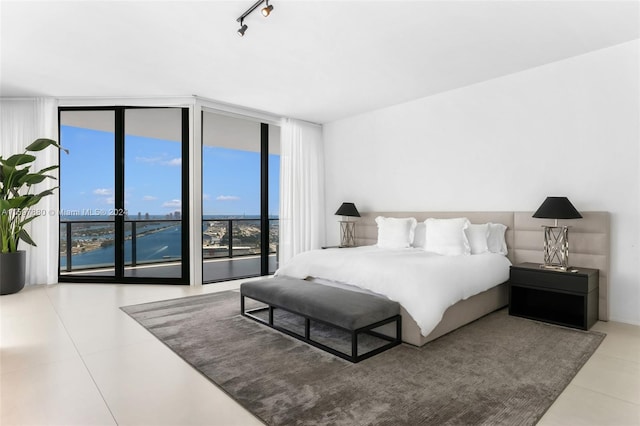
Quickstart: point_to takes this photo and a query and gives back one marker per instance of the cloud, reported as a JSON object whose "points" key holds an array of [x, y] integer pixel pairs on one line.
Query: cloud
{"points": [[162, 161], [149, 198], [173, 204], [107, 201], [173, 163], [104, 196], [102, 191], [148, 159], [227, 198], [206, 197]]}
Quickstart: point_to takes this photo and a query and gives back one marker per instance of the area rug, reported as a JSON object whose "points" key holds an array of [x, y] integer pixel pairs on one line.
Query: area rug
{"points": [[497, 370]]}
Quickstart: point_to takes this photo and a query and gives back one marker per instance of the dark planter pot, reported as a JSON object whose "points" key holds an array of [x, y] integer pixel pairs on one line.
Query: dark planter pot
{"points": [[12, 272]]}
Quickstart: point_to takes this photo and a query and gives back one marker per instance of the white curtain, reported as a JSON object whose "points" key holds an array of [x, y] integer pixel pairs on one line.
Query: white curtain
{"points": [[21, 122], [301, 188]]}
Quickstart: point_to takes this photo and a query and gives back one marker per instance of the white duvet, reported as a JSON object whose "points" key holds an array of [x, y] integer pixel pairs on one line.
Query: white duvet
{"points": [[424, 283]]}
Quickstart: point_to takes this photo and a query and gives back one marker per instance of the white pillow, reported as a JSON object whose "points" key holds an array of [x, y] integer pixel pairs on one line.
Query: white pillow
{"points": [[420, 236], [447, 237], [395, 233], [477, 236], [496, 241]]}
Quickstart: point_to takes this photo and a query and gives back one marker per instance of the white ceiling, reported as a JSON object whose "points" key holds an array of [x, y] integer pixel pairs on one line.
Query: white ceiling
{"points": [[315, 60]]}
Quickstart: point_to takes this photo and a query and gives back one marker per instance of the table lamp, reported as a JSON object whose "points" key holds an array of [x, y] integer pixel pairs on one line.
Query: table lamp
{"points": [[347, 227], [556, 238]]}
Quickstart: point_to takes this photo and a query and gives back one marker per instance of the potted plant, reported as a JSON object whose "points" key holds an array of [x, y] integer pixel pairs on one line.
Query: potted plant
{"points": [[16, 210]]}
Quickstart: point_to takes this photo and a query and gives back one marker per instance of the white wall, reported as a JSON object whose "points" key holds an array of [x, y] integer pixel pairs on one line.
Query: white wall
{"points": [[568, 128]]}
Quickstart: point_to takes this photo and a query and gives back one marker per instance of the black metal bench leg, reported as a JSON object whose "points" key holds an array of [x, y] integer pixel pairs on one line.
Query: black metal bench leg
{"points": [[241, 304], [270, 315], [307, 328], [354, 346]]}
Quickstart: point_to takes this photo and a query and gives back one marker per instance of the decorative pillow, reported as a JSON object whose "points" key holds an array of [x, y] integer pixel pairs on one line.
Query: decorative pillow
{"points": [[447, 237], [420, 236], [395, 233], [496, 241], [477, 236]]}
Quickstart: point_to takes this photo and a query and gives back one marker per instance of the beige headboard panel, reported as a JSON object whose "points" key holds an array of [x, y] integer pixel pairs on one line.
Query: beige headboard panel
{"points": [[588, 238]]}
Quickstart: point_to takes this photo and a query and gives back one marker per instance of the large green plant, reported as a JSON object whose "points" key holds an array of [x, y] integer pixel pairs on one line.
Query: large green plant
{"points": [[16, 197]]}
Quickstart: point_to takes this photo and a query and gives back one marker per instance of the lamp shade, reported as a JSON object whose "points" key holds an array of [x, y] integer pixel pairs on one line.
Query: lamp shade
{"points": [[557, 208], [348, 209]]}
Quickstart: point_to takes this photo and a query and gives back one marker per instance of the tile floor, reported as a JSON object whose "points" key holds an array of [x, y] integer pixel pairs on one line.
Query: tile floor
{"points": [[69, 356]]}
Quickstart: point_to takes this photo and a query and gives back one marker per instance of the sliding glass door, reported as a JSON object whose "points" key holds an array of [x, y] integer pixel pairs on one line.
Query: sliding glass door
{"points": [[123, 197], [153, 195], [87, 202], [240, 181]]}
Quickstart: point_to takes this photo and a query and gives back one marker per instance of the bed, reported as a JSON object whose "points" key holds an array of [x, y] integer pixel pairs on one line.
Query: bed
{"points": [[590, 248]]}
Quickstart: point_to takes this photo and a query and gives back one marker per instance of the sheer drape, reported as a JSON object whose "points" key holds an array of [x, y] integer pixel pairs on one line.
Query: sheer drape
{"points": [[301, 189], [21, 122]]}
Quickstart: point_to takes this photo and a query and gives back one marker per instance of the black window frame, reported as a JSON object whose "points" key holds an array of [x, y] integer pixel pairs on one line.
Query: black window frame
{"points": [[119, 142]]}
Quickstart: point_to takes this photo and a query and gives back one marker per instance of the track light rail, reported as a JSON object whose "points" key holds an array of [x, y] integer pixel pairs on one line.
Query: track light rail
{"points": [[251, 9], [266, 11]]}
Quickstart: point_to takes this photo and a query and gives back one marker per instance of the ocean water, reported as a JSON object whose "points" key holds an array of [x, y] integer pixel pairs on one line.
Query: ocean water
{"points": [[161, 245]]}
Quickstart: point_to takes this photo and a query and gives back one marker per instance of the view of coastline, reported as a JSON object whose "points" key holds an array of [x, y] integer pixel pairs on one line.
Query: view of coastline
{"points": [[158, 238]]}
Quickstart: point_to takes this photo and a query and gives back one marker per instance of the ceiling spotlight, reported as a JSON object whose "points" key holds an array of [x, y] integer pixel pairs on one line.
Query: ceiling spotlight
{"points": [[267, 10], [242, 29]]}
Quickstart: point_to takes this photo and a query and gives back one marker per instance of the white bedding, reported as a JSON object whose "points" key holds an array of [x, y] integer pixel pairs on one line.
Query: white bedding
{"points": [[424, 283]]}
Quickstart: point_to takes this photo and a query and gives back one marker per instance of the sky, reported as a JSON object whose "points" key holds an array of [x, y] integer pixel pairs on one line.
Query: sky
{"points": [[231, 178]]}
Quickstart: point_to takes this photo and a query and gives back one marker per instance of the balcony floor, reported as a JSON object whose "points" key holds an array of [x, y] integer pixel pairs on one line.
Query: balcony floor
{"points": [[213, 270]]}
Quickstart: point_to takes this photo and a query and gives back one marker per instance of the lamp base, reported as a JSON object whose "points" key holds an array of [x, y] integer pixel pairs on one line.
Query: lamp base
{"points": [[555, 267], [556, 248], [347, 233]]}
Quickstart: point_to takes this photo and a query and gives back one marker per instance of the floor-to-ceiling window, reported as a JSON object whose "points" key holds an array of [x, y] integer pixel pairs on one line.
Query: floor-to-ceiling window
{"points": [[123, 195], [240, 197]]}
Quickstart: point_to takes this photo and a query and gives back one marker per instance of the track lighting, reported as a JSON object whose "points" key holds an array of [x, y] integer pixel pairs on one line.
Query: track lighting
{"points": [[242, 29], [266, 11]]}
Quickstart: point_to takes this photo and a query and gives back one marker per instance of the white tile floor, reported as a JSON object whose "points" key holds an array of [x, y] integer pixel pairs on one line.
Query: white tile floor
{"points": [[69, 356]]}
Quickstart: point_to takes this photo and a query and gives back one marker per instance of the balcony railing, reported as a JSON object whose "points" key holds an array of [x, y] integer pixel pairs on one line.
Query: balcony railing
{"points": [[149, 241]]}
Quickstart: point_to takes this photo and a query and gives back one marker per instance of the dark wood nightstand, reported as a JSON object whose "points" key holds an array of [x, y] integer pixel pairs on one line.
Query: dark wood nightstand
{"points": [[564, 298]]}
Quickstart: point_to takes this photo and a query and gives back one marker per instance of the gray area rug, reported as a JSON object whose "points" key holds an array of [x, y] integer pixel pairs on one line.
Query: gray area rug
{"points": [[496, 370]]}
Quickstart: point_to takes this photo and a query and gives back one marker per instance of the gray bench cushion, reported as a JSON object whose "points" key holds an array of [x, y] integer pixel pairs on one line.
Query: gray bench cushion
{"points": [[344, 308]]}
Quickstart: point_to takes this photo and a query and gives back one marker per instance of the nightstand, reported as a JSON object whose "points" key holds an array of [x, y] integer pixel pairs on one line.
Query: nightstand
{"points": [[564, 298]]}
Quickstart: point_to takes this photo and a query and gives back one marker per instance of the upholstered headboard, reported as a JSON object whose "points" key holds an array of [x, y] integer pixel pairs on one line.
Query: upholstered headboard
{"points": [[588, 239]]}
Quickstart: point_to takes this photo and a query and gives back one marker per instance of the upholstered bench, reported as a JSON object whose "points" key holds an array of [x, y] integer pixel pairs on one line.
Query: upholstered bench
{"points": [[351, 311]]}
